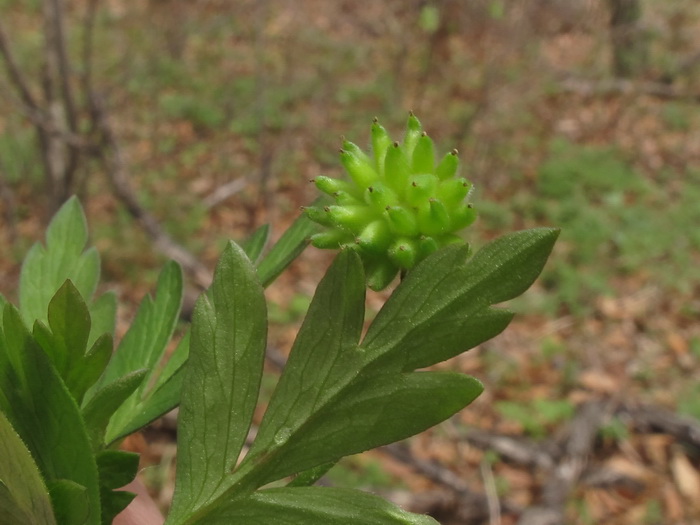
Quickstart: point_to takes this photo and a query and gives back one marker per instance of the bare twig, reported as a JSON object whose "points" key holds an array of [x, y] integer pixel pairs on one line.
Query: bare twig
{"points": [[518, 450], [618, 86], [56, 122], [56, 54], [579, 445], [39, 118], [223, 192], [20, 83], [88, 43], [469, 505], [607, 478], [7, 197], [569, 468], [491, 493], [15, 74], [116, 168], [565, 458], [58, 40], [646, 418]]}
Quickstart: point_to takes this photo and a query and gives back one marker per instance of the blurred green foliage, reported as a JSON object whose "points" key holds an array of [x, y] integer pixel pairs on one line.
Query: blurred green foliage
{"points": [[616, 223], [18, 156], [213, 92], [362, 473], [537, 416]]}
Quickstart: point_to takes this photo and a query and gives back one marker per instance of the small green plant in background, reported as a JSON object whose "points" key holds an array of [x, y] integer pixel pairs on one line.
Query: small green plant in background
{"points": [[616, 224], [67, 400], [538, 416]]}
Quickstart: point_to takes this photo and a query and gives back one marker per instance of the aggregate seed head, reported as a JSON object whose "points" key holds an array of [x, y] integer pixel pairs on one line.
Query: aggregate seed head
{"points": [[400, 204]]}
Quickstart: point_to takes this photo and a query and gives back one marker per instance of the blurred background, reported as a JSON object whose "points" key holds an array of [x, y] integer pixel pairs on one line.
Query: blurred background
{"points": [[183, 123]]}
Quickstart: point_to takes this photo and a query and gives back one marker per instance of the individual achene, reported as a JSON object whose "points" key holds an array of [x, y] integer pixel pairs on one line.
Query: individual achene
{"points": [[400, 204]]}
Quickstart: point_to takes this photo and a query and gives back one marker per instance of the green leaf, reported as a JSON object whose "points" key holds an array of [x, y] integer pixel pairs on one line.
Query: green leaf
{"points": [[162, 400], [100, 408], [117, 468], [287, 248], [163, 397], [227, 348], [23, 496], [443, 290], [67, 231], [176, 361], [114, 503], [440, 310], [103, 312], [94, 363], [150, 332], [10, 510], [507, 266], [451, 334], [336, 397], [254, 245], [327, 344], [86, 274], [327, 374], [379, 410], [43, 412], [45, 269], [12, 363], [311, 476], [145, 342], [165, 394], [313, 506], [70, 502], [66, 342]]}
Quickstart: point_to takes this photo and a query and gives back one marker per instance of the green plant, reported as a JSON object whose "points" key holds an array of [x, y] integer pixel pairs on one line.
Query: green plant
{"points": [[538, 416], [361, 472], [66, 400], [603, 207], [399, 207], [615, 430], [195, 109]]}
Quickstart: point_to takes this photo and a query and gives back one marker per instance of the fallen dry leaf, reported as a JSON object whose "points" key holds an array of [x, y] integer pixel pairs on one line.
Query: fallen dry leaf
{"points": [[685, 476], [599, 381]]}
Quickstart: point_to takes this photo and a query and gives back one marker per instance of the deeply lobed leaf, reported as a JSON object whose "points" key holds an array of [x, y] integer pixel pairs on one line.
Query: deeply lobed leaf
{"points": [[337, 398], [45, 269], [65, 341], [227, 348], [285, 250], [117, 468], [45, 415], [446, 300], [142, 347]]}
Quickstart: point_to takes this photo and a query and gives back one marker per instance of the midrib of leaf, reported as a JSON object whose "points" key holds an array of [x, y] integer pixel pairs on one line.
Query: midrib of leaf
{"points": [[214, 327]]}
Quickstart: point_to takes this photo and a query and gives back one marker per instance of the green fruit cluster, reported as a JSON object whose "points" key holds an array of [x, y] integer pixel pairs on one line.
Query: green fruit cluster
{"points": [[400, 205]]}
